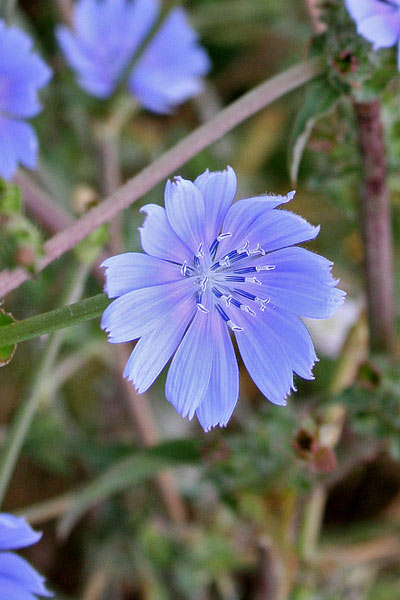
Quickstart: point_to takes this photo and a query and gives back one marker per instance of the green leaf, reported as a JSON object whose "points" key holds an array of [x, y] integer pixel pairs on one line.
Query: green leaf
{"points": [[128, 472], [320, 99], [6, 352]]}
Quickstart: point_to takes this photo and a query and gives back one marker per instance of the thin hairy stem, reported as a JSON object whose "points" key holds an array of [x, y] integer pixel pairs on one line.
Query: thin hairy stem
{"points": [[201, 138], [376, 227], [51, 321]]}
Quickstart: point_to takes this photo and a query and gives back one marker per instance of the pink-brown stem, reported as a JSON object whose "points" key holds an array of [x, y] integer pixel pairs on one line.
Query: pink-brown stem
{"points": [[376, 226], [203, 136]]}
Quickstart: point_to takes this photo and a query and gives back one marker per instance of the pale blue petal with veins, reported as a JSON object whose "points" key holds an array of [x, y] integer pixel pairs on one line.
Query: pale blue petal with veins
{"points": [[22, 74], [213, 270], [107, 36], [18, 580]]}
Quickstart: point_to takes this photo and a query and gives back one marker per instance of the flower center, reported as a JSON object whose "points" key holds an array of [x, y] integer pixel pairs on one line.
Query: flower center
{"points": [[231, 279]]}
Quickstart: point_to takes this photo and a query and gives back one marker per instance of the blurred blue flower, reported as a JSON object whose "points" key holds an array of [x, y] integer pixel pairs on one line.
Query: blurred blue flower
{"points": [[210, 269], [22, 74], [109, 33], [377, 20], [18, 580]]}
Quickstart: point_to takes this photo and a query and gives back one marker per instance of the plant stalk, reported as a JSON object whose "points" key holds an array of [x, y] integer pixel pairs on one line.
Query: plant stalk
{"points": [[376, 227], [51, 321]]}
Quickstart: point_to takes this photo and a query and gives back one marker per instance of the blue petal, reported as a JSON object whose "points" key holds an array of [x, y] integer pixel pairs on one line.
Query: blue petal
{"points": [[186, 212], [92, 77], [12, 591], [18, 63], [243, 214], [382, 31], [159, 239], [137, 313], [362, 9], [378, 22], [218, 190], [223, 390], [169, 71], [264, 356], [145, 364], [190, 371], [107, 35], [301, 283], [18, 143], [131, 271], [15, 533], [15, 569], [277, 229], [294, 337]]}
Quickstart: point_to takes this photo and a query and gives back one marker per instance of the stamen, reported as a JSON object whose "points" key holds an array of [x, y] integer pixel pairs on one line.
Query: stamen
{"points": [[252, 280], [222, 313], [202, 308], [203, 283], [245, 270], [234, 327], [257, 250], [265, 268], [245, 294], [263, 303], [214, 246], [234, 278], [184, 269], [235, 302], [245, 248], [223, 236], [216, 292], [200, 253]]}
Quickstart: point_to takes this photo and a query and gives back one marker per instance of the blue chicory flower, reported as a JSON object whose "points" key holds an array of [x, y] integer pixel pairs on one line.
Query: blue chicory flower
{"points": [[109, 33], [211, 269], [18, 580], [377, 20], [22, 74]]}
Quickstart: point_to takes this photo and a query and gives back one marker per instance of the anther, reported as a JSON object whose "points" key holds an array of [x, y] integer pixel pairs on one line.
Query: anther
{"points": [[265, 268], [200, 253], [223, 236], [244, 249], [203, 283], [234, 278], [184, 269], [263, 303], [252, 280], [234, 327], [202, 308], [257, 250]]}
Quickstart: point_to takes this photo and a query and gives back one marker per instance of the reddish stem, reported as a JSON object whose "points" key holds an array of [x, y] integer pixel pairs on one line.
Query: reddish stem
{"points": [[376, 227]]}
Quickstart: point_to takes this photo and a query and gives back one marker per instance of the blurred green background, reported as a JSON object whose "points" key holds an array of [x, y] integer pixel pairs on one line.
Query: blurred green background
{"points": [[296, 503]]}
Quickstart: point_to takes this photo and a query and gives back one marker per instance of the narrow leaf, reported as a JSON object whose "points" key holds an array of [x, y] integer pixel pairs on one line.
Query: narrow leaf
{"points": [[320, 100]]}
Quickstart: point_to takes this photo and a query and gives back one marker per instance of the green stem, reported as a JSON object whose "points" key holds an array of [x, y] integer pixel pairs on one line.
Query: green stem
{"points": [[23, 419], [85, 310]]}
